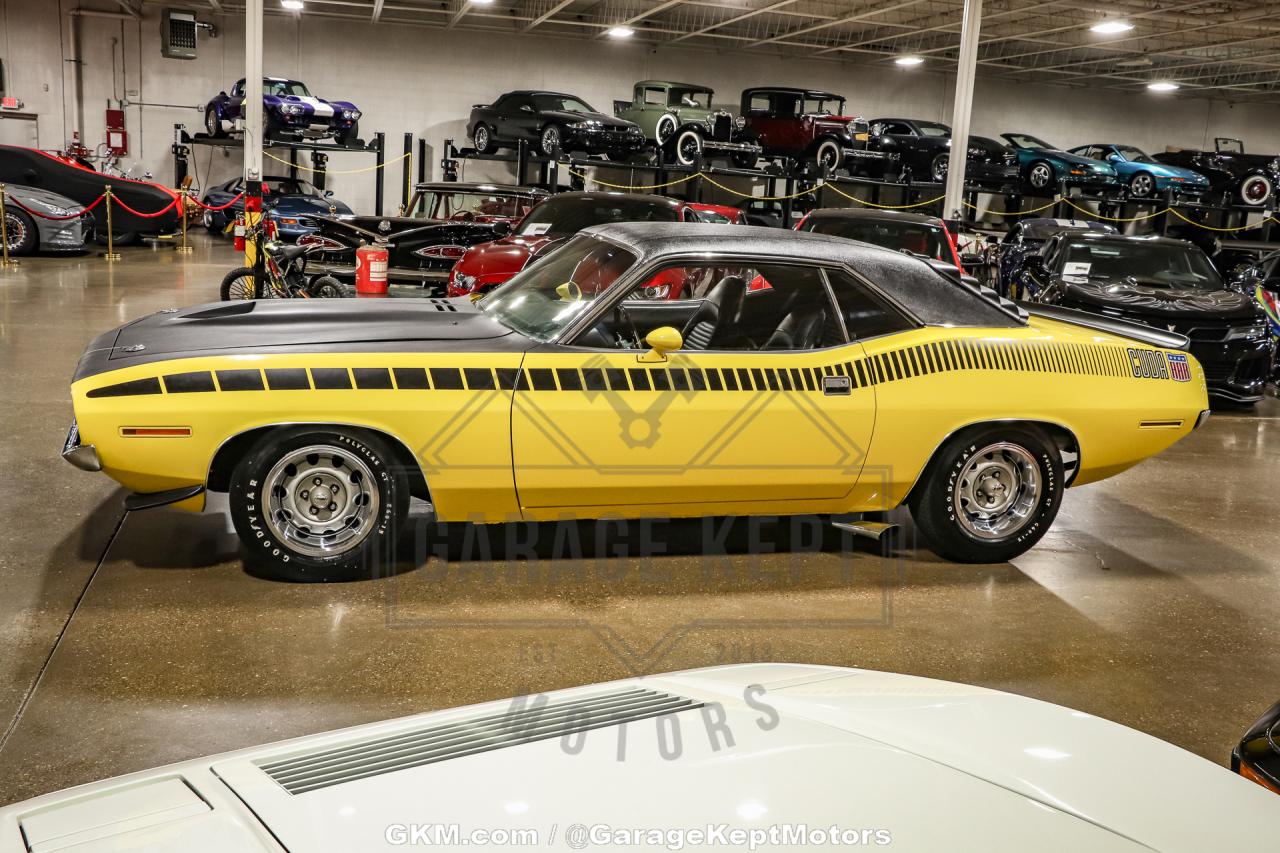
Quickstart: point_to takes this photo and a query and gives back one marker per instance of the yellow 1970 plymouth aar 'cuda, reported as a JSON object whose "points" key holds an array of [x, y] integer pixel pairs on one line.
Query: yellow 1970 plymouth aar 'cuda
{"points": [[638, 370]]}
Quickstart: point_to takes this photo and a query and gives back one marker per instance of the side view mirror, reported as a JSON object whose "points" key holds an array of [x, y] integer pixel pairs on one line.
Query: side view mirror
{"points": [[502, 228], [971, 261], [1113, 158], [328, 193], [661, 341]]}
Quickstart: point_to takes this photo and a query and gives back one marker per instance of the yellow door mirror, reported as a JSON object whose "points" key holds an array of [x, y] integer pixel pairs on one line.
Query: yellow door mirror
{"points": [[661, 341], [569, 292]]}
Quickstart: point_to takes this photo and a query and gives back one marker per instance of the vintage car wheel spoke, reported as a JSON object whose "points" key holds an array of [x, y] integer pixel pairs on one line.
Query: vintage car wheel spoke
{"points": [[998, 491], [320, 501]]}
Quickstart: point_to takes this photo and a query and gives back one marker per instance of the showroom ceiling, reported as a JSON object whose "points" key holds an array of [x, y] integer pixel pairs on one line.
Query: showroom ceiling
{"points": [[1218, 48]]}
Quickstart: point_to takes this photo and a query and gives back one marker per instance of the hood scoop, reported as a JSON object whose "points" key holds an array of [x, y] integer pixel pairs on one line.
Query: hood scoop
{"points": [[538, 720]]}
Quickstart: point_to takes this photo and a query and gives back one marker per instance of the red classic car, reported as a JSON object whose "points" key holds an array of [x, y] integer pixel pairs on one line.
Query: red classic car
{"points": [[720, 214], [915, 233], [488, 265], [808, 125]]}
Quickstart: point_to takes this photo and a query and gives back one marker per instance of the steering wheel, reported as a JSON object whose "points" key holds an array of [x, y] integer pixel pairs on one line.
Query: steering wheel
{"points": [[463, 216]]}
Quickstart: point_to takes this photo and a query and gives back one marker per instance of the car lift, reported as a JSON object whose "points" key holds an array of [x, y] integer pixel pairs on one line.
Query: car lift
{"points": [[320, 153], [791, 178]]}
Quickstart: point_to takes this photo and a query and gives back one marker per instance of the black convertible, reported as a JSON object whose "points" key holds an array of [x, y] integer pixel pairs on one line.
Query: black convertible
{"points": [[924, 147], [33, 168], [1160, 282], [552, 123]]}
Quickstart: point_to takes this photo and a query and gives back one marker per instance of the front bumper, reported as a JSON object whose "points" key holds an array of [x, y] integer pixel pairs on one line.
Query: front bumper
{"points": [[601, 141], [1181, 187], [709, 144], [82, 456], [1235, 371]]}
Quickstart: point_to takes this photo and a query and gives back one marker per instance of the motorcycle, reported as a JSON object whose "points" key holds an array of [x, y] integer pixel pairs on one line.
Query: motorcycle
{"points": [[284, 276]]}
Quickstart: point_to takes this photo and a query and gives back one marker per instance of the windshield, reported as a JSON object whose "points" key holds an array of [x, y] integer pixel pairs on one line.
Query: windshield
{"points": [[290, 186], [1026, 140], [541, 301], [918, 238], [824, 106], [468, 206], [1151, 264], [1134, 155], [714, 216], [284, 87], [566, 215], [929, 128], [689, 98], [560, 104]]}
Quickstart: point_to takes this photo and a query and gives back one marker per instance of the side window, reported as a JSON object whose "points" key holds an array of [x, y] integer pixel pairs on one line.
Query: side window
{"points": [[504, 103], [760, 104], [655, 97], [866, 315], [898, 129], [726, 307]]}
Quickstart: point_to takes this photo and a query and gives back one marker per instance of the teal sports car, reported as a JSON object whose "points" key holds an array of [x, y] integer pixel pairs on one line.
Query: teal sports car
{"points": [[1042, 166], [1140, 172]]}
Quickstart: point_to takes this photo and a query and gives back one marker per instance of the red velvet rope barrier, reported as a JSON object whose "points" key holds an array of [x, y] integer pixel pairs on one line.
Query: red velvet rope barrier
{"points": [[160, 212], [8, 199], [199, 203]]}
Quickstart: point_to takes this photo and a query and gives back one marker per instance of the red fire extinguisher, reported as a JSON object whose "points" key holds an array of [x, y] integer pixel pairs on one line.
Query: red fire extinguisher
{"points": [[239, 233], [371, 271]]}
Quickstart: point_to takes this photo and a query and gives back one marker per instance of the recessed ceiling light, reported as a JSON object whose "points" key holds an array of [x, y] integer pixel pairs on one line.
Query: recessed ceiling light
{"points": [[481, 2], [1162, 86], [620, 32], [909, 60], [291, 5], [1111, 27]]}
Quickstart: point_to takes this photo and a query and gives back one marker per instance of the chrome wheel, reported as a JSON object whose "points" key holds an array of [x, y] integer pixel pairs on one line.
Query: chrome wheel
{"points": [[551, 141], [320, 500], [940, 164], [1255, 189], [1040, 176], [211, 124], [828, 156], [1142, 185], [688, 147], [482, 139], [15, 230], [664, 128], [998, 491]]}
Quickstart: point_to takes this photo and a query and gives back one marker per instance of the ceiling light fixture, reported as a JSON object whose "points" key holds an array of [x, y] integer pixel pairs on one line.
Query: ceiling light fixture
{"points": [[1108, 28], [620, 32], [291, 5], [909, 60], [1163, 86]]}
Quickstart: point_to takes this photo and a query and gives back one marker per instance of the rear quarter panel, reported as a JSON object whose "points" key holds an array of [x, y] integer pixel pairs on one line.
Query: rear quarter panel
{"points": [[933, 382]]}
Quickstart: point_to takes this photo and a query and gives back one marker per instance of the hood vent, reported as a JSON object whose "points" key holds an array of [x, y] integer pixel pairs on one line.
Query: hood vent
{"points": [[442, 742]]}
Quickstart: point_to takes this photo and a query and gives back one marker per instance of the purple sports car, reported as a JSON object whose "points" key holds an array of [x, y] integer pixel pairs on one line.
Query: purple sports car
{"points": [[288, 109]]}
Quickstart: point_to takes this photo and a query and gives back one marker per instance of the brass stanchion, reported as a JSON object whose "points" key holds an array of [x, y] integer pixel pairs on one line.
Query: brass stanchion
{"points": [[5, 260], [184, 249], [110, 254]]}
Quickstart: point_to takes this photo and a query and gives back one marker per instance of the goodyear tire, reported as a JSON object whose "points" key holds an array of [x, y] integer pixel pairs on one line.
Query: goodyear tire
{"points": [[318, 503], [989, 494]]}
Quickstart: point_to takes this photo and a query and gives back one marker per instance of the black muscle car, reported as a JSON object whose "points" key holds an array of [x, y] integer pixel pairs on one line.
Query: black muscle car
{"points": [[443, 220], [1250, 178], [1026, 237], [924, 147], [552, 123], [1167, 284]]}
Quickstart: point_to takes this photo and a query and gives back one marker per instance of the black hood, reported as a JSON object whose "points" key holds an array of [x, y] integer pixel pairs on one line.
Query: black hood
{"points": [[298, 325], [1157, 301]]}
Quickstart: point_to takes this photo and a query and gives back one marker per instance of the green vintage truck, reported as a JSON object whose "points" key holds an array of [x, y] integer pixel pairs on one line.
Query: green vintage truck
{"points": [[681, 119]]}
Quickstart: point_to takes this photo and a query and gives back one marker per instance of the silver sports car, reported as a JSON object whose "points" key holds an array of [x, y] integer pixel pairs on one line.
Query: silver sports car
{"points": [[27, 233]]}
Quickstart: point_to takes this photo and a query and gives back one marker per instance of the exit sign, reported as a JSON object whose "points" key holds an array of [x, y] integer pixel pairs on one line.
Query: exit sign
{"points": [[10, 104]]}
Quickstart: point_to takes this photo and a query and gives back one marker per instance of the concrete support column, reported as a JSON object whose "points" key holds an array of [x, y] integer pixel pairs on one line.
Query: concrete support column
{"points": [[953, 206]]}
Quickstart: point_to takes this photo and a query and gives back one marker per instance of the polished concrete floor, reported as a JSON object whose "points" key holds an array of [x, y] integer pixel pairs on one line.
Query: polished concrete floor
{"points": [[130, 641]]}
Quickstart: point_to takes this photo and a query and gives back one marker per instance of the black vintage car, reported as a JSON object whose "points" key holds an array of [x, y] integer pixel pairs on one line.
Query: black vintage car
{"points": [[1249, 178], [924, 147], [1026, 237], [1165, 283], [441, 222], [553, 123]]}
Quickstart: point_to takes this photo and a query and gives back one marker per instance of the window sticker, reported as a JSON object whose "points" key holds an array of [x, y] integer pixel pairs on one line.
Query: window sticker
{"points": [[535, 228], [1076, 271]]}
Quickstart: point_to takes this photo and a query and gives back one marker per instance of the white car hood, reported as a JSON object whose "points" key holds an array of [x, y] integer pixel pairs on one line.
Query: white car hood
{"points": [[935, 765]]}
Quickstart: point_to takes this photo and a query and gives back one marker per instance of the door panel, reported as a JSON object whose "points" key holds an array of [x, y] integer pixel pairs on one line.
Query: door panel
{"points": [[743, 430]]}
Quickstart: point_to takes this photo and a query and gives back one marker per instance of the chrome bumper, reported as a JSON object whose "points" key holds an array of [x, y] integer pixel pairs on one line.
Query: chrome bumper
{"points": [[83, 456]]}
